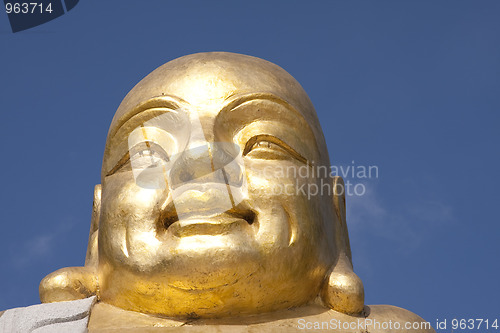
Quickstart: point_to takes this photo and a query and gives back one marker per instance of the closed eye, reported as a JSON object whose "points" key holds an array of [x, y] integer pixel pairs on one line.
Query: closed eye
{"points": [[268, 145], [142, 155]]}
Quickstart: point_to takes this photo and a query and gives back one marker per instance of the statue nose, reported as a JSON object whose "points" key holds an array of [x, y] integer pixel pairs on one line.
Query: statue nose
{"points": [[209, 163]]}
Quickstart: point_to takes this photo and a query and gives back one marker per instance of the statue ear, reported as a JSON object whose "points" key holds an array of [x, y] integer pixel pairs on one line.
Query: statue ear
{"points": [[91, 257], [72, 283], [342, 289], [342, 235]]}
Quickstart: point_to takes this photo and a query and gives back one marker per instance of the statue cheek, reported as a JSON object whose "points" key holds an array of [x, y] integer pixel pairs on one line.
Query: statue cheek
{"points": [[125, 205], [271, 180], [128, 212]]}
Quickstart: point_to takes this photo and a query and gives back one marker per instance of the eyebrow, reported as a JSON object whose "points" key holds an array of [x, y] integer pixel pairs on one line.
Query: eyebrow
{"points": [[159, 102], [237, 101]]}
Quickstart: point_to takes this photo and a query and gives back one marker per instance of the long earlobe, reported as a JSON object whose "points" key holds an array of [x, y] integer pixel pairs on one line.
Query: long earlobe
{"points": [[342, 289], [72, 283]]}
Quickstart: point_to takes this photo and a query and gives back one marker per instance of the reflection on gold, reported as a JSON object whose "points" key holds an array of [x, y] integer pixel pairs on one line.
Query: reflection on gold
{"points": [[217, 237]]}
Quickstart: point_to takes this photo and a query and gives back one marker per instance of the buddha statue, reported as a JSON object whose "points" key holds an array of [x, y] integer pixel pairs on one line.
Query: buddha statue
{"points": [[205, 214]]}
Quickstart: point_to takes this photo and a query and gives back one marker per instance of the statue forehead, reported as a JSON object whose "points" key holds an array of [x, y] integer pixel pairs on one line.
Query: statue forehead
{"points": [[208, 79]]}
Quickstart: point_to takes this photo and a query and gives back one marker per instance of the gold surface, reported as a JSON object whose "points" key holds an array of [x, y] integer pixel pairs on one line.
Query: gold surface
{"points": [[191, 220], [106, 318]]}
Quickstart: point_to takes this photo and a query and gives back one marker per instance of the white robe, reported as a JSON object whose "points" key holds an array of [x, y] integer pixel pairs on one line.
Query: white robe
{"points": [[56, 317]]}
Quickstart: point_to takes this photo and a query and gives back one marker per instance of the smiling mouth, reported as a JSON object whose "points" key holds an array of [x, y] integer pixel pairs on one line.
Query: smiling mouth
{"points": [[204, 222], [205, 209], [232, 214]]}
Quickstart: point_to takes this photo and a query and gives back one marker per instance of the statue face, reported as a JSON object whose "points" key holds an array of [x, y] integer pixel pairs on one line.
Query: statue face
{"points": [[205, 209]]}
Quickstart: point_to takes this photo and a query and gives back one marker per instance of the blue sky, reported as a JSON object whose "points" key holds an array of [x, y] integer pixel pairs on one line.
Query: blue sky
{"points": [[409, 86]]}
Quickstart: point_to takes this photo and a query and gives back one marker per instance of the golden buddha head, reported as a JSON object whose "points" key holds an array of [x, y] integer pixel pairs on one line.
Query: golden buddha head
{"points": [[209, 203]]}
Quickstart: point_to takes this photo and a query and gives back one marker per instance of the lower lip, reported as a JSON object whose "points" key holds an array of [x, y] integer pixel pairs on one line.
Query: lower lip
{"points": [[212, 226]]}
